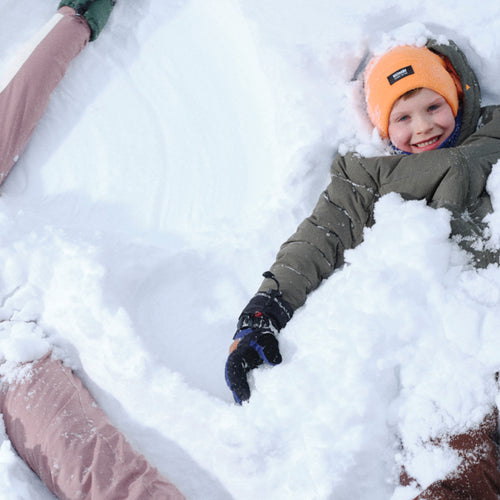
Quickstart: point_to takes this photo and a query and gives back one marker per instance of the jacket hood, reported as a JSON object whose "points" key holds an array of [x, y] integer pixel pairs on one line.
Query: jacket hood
{"points": [[470, 85]]}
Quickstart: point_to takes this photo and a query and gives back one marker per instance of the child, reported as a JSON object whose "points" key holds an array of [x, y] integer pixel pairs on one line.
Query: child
{"points": [[426, 102], [51, 419]]}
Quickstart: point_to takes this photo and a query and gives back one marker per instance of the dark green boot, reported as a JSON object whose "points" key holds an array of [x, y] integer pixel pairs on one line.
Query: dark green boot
{"points": [[96, 12]]}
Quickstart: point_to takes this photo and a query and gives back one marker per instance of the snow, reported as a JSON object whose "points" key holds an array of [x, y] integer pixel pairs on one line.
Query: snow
{"points": [[180, 150]]}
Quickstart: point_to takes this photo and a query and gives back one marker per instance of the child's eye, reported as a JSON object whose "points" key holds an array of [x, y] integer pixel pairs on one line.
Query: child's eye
{"points": [[403, 118], [433, 107]]}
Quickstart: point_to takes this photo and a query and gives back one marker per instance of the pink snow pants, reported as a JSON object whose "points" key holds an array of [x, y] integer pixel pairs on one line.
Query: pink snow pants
{"points": [[25, 97], [61, 433], [50, 417]]}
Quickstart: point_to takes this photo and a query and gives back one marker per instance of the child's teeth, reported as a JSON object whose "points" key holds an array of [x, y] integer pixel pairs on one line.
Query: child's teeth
{"points": [[426, 143]]}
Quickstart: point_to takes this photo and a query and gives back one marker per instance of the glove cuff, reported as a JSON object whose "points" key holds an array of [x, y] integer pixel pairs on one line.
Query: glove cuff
{"points": [[266, 308]]}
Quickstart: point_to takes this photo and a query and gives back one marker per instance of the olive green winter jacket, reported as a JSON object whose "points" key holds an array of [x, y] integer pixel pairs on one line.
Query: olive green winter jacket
{"points": [[454, 178]]}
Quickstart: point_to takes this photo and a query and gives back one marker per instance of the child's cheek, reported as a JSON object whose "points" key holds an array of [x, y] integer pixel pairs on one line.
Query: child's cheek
{"points": [[400, 137], [394, 135]]}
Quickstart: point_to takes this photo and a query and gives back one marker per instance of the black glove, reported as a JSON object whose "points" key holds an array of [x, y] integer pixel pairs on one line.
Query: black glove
{"points": [[254, 347], [255, 340]]}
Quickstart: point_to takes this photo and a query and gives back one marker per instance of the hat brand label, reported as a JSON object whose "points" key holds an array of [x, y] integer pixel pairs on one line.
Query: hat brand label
{"points": [[400, 73]]}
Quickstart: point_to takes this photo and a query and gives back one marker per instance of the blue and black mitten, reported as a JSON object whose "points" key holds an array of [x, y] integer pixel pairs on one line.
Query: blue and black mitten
{"points": [[255, 340]]}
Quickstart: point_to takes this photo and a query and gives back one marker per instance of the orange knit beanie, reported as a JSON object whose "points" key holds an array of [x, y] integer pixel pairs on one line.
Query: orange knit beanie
{"points": [[401, 69]]}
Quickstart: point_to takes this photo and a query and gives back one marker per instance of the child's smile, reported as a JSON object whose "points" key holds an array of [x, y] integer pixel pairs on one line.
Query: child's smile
{"points": [[420, 122]]}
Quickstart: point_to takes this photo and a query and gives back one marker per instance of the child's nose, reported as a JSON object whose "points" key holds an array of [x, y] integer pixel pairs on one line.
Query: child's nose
{"points": [[423, 125]]}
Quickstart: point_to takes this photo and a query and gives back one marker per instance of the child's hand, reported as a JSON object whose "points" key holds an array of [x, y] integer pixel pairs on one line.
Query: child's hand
{"points": [[255, 341], [251, 348]]}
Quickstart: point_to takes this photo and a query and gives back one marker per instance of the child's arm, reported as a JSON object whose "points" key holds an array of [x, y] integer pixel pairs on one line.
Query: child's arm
{"points": [[303, 261], [337, 222], [454, 178]]}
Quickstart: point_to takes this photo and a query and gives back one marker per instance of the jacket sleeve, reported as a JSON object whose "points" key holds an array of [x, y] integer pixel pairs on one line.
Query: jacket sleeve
{"points": [[452, 178], [316, 249]]}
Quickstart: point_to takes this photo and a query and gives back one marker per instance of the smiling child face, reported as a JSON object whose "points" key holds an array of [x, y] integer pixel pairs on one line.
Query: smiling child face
{"points": [[420, 122]]}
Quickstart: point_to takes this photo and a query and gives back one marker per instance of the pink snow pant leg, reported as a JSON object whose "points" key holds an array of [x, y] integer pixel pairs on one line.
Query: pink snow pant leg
{"points": [[60, 432], [24, 99]]}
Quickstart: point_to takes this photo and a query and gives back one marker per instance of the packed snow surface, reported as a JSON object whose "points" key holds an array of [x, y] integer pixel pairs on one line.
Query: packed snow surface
{"points": [[180, 150]]}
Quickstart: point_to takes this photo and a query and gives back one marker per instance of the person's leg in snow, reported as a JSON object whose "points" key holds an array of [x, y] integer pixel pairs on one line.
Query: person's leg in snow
{"points": [[25, 97], [96, 12], [477, 476], [61, 433], [52, 420]]}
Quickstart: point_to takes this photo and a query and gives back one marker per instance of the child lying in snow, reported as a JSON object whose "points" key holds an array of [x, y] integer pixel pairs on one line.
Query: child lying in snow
{"points": [[51, 419], [426, 102]]}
